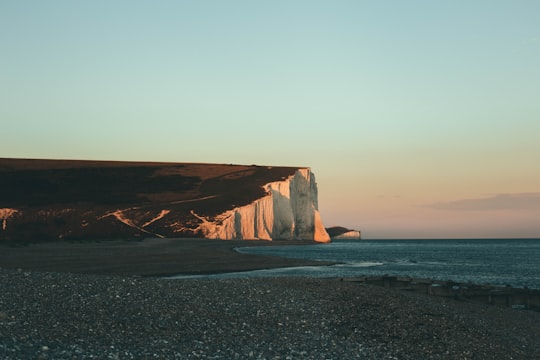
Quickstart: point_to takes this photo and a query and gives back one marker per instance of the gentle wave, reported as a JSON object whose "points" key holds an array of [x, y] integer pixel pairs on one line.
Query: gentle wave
{"points": [[361, 264]]}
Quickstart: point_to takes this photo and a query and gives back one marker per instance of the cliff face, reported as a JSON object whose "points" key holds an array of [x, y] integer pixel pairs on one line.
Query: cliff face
{"points": [[54, 199], [288, 211]]}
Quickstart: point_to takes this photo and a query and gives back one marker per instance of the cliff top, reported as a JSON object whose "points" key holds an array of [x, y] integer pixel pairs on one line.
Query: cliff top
{"points": [[36, 182]]}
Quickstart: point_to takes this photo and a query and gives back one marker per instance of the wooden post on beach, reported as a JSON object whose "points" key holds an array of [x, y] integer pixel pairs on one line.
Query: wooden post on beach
{"points": [[387, 281]]}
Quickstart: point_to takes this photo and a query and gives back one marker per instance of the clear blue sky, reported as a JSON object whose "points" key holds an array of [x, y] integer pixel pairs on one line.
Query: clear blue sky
{"points": [[419, 118]]}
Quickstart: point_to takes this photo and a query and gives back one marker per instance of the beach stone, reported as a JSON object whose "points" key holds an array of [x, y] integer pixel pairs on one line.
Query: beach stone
{"points": [[65, 316]]}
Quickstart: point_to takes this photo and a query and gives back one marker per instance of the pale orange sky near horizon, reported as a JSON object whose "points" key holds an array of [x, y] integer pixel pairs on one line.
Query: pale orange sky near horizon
{"points": [[419, 119]]}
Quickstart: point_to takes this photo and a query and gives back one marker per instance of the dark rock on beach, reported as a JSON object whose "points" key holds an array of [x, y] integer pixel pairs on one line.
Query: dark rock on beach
{"points": [[84, 316]]}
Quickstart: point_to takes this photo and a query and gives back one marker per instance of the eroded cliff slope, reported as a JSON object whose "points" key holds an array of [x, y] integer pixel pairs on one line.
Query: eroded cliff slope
{"points": [[64, 199]]}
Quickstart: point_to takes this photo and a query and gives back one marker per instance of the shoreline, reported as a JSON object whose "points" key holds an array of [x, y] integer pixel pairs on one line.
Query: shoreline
{"points": [[117, 308]]}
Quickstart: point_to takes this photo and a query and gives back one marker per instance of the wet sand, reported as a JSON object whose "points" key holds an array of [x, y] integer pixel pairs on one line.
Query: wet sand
{"points": [[148, 257]]}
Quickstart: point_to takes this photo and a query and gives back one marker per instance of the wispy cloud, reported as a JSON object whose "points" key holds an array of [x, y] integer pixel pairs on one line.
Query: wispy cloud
{"points": [[520, 201]]}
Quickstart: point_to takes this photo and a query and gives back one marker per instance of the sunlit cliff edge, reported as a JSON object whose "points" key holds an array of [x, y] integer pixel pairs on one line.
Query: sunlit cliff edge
{"points": [[288, 211], [66, 199]]}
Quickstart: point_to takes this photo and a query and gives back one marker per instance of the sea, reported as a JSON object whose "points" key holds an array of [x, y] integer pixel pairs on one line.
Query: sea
{"points": [[503, 262]]}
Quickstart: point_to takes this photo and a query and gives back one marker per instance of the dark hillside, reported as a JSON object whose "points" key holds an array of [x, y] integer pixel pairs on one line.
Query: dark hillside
{"points": [[68, 199]]}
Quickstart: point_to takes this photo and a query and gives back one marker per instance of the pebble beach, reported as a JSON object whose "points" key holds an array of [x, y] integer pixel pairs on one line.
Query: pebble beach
{"points": [[61, 315]]}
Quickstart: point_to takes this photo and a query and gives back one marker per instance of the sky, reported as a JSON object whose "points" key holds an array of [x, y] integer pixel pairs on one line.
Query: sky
{"points": [[419, 119]]}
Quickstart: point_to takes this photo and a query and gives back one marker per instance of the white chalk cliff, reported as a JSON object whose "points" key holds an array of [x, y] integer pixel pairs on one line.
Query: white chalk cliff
{"points": [[289, 211], [76, 199], [5, 214]]}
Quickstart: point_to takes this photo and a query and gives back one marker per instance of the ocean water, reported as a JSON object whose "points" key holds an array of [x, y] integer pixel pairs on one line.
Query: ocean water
{"points": [[514, 262]]}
